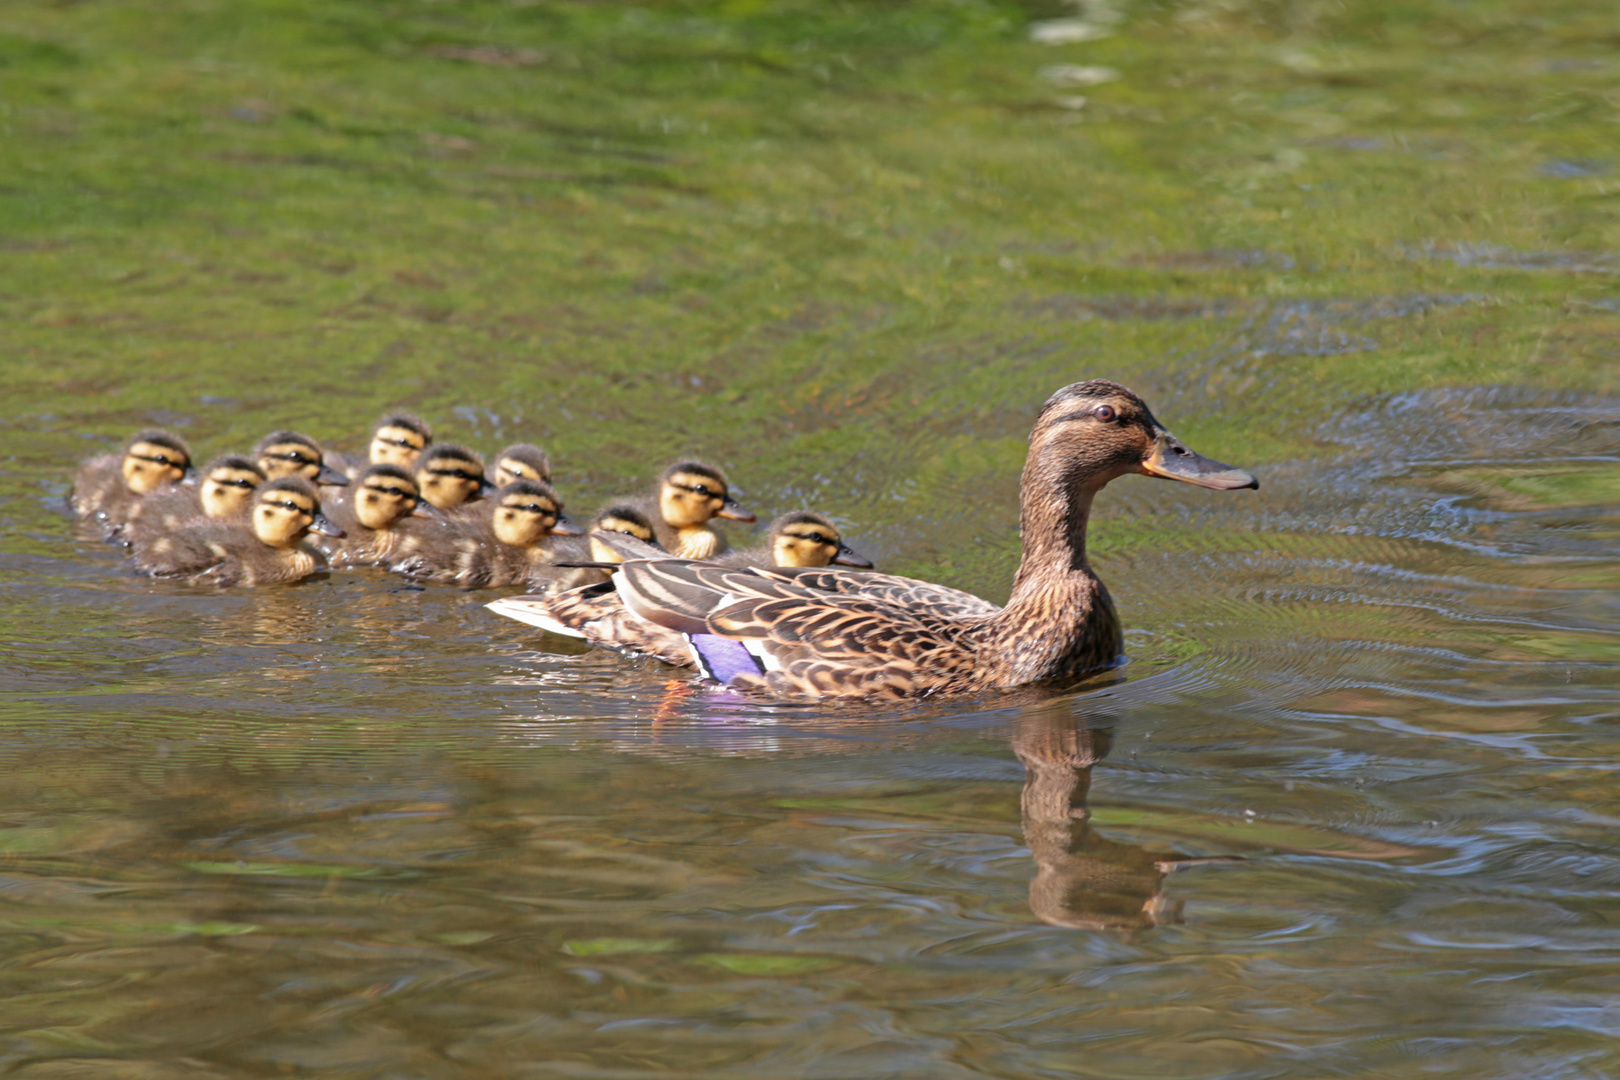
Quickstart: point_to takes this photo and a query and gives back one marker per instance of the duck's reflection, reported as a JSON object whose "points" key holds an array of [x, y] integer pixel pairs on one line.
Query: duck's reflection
{"points": [[1083, 880]]}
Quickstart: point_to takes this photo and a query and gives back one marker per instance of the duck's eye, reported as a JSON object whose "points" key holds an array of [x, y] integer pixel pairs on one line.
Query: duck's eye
{"points": [[818, 538], [1105, 413]]}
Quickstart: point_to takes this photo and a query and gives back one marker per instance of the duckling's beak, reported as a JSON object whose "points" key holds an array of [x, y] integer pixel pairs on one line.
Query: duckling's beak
{"points": [[732, 509], [1173, 461], [848, 556], [331, 476], [564, 527], [485, 487], [189, 477], [324, 525], [425, 509]]}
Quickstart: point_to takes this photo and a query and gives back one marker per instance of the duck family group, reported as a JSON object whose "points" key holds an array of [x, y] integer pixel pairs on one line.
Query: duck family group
{"points": [[654, 579], [420, 508]]}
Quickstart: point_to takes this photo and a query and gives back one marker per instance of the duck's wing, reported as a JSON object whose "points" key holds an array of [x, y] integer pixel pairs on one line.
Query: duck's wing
{"points": [[809, 633], [923, 597], [596, 614]]}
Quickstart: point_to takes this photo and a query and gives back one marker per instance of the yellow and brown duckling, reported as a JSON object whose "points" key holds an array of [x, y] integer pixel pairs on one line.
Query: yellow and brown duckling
{"points": [[504, 545], [266, 548], [800, 632], [398, 439], [381, 497], [448, 476], [287, 453], [107, 487], [521, 461], [690, 495], [801, 538], [621, 519], [224, 491]]}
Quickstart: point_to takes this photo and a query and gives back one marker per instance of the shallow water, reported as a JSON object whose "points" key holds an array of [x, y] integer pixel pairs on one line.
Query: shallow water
{"points": [[1349, 809]]}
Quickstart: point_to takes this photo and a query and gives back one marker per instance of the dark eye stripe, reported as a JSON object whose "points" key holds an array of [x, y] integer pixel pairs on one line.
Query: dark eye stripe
{"points": [[154, 458], [245, 485]]}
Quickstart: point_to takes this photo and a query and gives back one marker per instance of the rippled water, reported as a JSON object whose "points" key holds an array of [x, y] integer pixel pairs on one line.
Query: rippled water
{"points": [[1350, 810]]}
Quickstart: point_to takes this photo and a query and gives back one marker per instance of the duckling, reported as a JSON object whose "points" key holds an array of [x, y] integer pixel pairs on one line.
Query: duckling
{"points": [[522, 461], [383, 496], [689, 494], [263, 550], [224, 492], [502, 546], [619, 518], [448, 475], [108, 486], [287, 453], [799, 539], [398, 439]]}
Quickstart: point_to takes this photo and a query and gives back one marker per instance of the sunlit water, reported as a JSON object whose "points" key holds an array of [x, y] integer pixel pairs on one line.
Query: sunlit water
{"points": [[1350, 810]]}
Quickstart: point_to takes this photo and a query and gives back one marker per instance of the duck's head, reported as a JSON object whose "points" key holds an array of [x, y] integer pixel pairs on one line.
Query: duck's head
{"points": [[805, 539], [399, 439], [154, 458], [384, 495], [522, 461], [528, 511], [449, 475], [620, 518], [286, 510], [690, 493], [287, 453], [226, 487], [1089, 433]]}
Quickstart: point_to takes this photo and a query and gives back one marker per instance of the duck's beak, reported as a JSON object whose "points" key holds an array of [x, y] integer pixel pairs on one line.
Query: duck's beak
{"points": [[425, 509], [732, 510], [189, 477], [848, 556], [564, 527], [332, 477], [325, 526], [1173, 461], [485, 487]]}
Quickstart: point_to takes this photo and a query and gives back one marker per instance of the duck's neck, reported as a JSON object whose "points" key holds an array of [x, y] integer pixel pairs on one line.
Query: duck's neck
{"points": [[1059, 621]]}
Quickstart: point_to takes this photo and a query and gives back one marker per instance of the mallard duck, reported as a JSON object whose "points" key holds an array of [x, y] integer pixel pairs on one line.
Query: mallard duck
{"points": [[263, 550], [690, 494], [522, 461], [287, 453], [800, 632], [502, 546], [381, 498], [398, 439], [224, 491], [597, 614], [449, 475], [108, 486], [801, 538]]}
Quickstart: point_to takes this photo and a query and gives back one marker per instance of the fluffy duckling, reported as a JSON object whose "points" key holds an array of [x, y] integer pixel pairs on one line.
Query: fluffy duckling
{"points": [[224, 491], [503, 546], [263, 550], [382, 497], [620, 518], [522, 461], [799, 539], [287, 453], [398, 439], [108, 486], [689, 495], [448, 475]]}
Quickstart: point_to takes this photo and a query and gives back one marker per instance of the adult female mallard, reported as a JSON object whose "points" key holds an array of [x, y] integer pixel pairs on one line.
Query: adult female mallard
{"points": [[834, 633]]}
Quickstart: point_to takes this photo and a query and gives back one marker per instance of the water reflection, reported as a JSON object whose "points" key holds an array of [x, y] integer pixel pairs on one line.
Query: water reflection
{"points": [[1083, 880]]}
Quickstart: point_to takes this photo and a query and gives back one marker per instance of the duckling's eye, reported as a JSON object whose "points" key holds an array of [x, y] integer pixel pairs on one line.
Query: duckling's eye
{"points": [[245, 485], [818, 538], [1105, 413], [294, 507]]}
